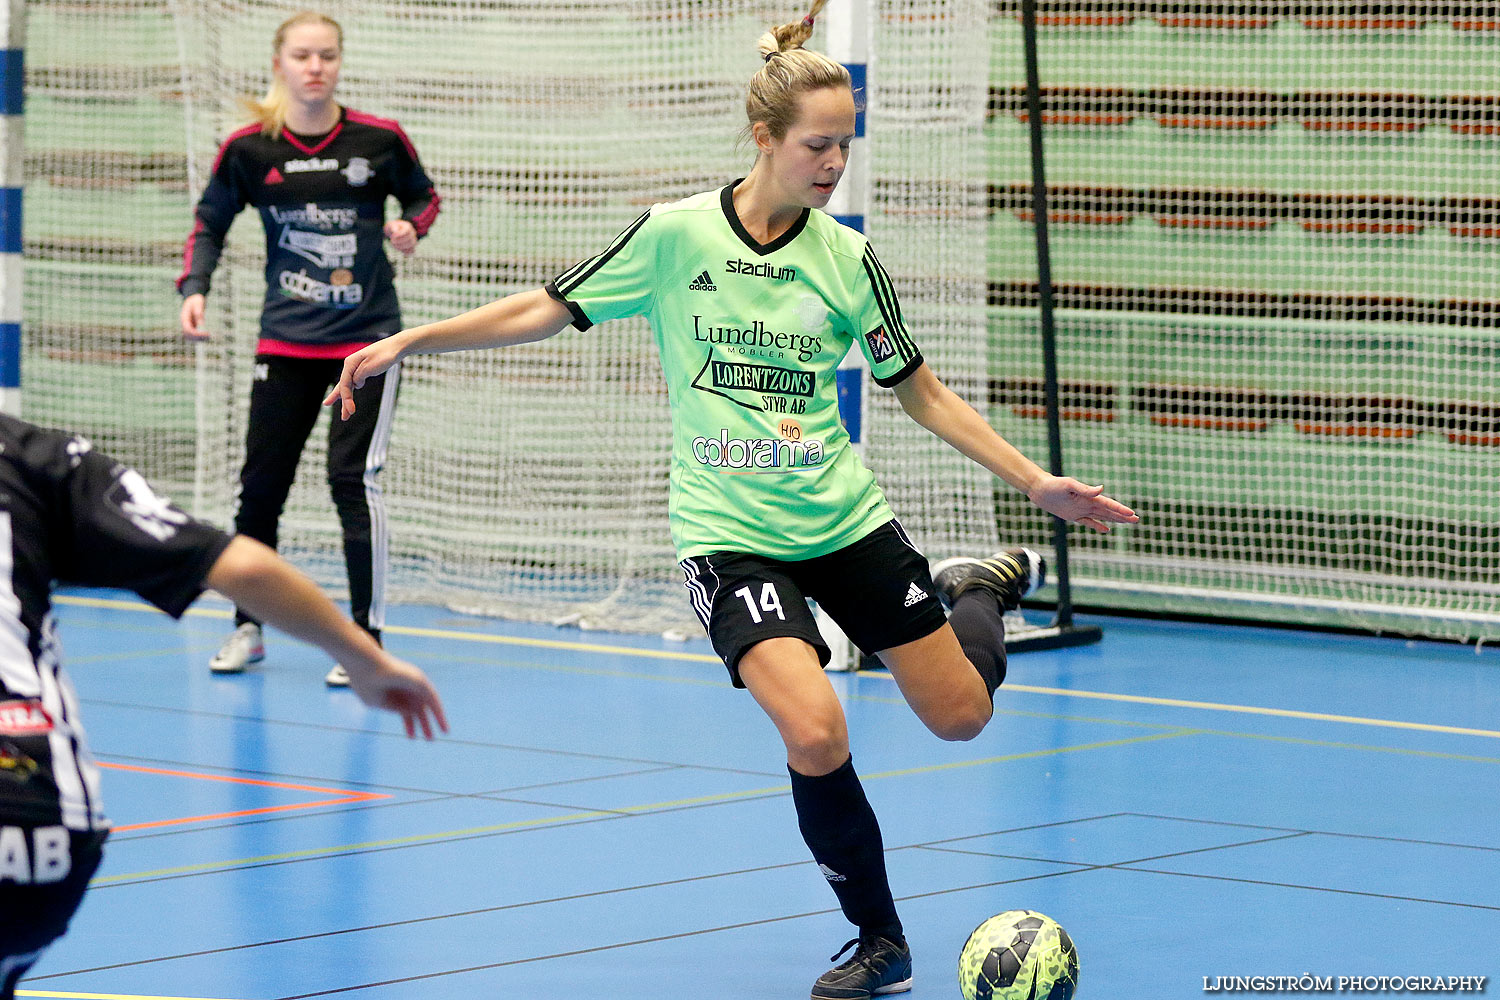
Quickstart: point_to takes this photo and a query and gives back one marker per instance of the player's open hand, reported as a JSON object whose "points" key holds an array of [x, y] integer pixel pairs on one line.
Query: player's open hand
{"points": [[1080, 504], [403, 236], [399, 687], [361, 365], [192, 318]]}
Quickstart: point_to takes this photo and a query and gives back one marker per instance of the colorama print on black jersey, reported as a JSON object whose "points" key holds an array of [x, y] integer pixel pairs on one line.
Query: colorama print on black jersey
{"points": [[322, 203]]}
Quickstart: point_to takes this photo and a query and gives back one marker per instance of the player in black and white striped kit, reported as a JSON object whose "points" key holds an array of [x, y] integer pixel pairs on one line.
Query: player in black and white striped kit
{"points": [[320, 175], [69, 514]]}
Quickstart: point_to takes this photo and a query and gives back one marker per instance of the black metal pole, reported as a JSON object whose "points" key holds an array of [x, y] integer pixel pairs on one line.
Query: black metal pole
{"points": [[1044, 290]]}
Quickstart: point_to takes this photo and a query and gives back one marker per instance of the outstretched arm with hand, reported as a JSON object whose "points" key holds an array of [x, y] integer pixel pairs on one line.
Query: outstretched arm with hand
{"points": [[522, 318], [936, 407], [270, 588]]}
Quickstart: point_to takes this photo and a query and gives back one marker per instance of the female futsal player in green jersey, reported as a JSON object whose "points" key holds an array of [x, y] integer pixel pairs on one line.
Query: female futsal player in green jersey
{"points": [[755, 295]]}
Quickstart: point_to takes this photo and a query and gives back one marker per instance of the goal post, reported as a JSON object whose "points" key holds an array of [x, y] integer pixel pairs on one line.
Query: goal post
{"points": [[1062, 631], [12, 149]]}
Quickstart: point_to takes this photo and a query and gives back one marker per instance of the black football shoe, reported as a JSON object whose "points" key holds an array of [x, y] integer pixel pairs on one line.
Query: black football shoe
{"points": [[878, 966], [1010, 575]]}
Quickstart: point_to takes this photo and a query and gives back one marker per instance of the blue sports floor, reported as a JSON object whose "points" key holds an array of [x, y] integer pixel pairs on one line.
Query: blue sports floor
{"points": [[608, 818]]}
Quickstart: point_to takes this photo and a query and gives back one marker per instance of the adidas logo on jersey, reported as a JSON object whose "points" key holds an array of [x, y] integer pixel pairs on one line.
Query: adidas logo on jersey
{"points": [[273, 176], [915, 594], [830, 874], [703, 283]]}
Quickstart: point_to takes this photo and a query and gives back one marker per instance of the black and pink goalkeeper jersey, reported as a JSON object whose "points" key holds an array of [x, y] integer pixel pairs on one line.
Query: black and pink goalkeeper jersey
{"points": [[322, 200]]}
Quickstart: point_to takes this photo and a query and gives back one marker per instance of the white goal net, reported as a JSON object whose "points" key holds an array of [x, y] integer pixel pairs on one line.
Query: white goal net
{"points": [[1275, 235]]}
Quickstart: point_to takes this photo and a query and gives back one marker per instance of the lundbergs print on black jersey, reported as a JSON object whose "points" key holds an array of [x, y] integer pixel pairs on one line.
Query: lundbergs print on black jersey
{"points": [[322, 203]]}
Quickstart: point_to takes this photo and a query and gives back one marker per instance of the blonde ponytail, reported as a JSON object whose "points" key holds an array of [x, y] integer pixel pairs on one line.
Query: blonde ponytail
{"points": [[789, 72], [270, 111], [790, 36]]}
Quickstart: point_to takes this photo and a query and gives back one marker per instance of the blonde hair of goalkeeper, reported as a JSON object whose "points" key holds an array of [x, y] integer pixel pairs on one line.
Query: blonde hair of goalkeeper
{"points": [[271, 110]]}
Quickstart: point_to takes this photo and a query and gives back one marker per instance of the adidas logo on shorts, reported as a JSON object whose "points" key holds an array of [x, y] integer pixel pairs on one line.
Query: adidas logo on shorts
{"points": [[915, 594], [703, 283]]}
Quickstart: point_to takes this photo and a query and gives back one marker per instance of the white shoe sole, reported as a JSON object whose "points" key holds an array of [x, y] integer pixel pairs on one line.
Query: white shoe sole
{"points": [[900, 987], [215, 667]]}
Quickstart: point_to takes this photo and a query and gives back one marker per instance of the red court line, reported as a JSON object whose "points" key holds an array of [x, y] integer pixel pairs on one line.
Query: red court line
{"points": [[343, 795]]}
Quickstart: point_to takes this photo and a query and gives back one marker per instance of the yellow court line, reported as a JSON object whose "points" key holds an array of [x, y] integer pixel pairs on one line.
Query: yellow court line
{"points": [[438, 837], [425, 633], [600, 813], [110, 602], [1364, 748], [584, 647], [94, 659], [314, 852], [1286, 713], [1028, 754], [100, 996], [908, 771]]}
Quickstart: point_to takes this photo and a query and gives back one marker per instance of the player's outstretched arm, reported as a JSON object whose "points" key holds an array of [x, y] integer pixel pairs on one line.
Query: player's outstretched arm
{"points": [[522, 318], [936, 407], [270, 588]]}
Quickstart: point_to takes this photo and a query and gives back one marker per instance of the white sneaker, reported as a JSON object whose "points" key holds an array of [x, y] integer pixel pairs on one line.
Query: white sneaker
{"points": [[244, 646], [338, 677]]}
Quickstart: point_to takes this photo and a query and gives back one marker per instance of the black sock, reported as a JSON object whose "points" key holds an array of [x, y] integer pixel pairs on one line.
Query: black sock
{"points": [[840, 827], [980, 627]]}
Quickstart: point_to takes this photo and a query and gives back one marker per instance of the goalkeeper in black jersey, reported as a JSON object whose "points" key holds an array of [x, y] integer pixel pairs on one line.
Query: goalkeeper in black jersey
{"points": [[320, 175], [69, 514]]}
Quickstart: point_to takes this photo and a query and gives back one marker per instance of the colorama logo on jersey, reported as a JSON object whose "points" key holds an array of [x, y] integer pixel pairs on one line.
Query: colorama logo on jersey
{"points": [[24, 718], [703, 283], [757, 454]]}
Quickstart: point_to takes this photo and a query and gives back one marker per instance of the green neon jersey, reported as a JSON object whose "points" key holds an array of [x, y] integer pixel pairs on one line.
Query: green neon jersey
{"points": [[750, 337]]}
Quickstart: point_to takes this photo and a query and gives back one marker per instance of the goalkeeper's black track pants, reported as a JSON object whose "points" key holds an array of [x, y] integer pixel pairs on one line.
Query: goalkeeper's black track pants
{"points": [[285, 400]]}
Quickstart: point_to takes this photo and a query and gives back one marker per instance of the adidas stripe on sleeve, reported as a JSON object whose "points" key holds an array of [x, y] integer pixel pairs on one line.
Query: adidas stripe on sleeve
{"points": [[884, 339], [616, 283]]}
